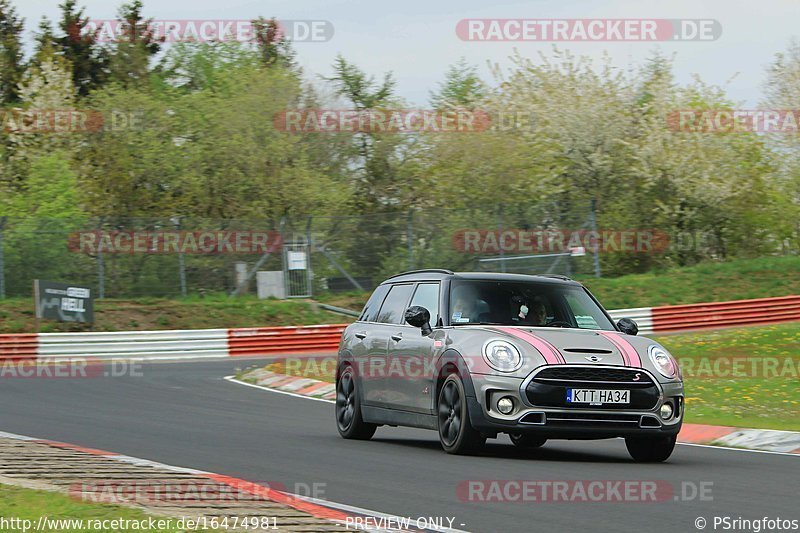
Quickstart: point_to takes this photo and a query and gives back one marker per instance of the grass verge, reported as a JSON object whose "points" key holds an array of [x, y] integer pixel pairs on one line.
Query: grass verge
{"points": [[65, 514], [706, 282], [744, 377]]}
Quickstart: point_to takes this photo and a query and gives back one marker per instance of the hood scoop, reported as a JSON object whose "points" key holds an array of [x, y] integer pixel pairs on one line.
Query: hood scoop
{"points": [[586, 350]]}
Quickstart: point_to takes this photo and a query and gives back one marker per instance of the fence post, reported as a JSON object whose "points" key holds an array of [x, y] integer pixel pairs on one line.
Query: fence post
{"points": [[593, 219], [181, 260], [499, 233], [101, 267], [410, 238], [2, 260], [309, 271]]}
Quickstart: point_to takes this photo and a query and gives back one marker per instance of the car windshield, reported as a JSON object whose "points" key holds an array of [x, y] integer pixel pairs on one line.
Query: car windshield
{"points": [[528, 303]]}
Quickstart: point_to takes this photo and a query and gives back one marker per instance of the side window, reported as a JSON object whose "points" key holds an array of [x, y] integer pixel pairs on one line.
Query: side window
{"points": [[427, 295], [394, 306], [370, 312]]}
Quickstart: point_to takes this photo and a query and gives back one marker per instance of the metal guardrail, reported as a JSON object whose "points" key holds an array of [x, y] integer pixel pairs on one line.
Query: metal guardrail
{"points": [[238, 342], [726, 314], [19, 346], [267, 341]]}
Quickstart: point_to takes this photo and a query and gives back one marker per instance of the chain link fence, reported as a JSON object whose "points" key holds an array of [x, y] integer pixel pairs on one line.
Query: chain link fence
{"points": [[181, 256]]}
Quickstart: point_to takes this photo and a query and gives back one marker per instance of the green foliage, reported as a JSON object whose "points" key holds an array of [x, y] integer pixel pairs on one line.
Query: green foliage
{"points": [[79, 47], [129, 64], [11, 52], [462, 87], [193, 135]]}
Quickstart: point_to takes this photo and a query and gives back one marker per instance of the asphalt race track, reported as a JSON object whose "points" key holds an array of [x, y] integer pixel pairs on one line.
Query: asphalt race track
{"points": [[185, 414]]}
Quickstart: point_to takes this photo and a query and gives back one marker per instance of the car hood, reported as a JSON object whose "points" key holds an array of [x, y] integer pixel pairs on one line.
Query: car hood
{"points": [[574, 346]]}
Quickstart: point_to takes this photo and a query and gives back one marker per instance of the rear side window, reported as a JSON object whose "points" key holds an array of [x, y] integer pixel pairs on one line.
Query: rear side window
{"points": [[394, 306], [370, 312], [427, 295]]}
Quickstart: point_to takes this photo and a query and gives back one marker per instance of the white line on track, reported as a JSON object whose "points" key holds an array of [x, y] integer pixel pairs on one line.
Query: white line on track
{"points": [[233, 379]]}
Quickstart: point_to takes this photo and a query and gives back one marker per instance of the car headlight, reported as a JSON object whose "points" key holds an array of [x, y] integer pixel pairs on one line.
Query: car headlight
{"points": [[502, 356], [663, 361]]}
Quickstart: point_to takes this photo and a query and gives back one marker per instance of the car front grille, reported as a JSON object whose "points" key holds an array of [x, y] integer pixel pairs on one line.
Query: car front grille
{"points": [[549, 387], [593, 374]]}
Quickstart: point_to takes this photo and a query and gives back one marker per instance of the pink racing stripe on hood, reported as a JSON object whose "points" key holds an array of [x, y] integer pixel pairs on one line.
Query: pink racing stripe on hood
{"points": [[629, 353], [550, 353]]}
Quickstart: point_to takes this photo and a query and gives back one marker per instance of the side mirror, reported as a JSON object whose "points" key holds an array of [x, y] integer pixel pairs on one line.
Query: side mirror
{"points": [[628, 326], [419, 317]]}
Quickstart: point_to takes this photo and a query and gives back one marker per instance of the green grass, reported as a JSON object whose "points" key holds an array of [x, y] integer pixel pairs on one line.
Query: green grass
{"points": [[215, 311], [719, 393], [26, 504], [706, 282]]}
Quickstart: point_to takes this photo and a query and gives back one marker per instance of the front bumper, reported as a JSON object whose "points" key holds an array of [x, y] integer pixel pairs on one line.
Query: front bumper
{"points": [[539, 409]]}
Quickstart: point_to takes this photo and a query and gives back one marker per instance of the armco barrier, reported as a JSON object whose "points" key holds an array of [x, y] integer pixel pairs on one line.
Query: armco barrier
{"points": [[725, 314], [240, 342], [266, 341], [170, 344], [18, 346]]}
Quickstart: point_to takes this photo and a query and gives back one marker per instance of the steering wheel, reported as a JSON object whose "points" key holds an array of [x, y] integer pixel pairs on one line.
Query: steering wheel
{"points": [[559, 323]]}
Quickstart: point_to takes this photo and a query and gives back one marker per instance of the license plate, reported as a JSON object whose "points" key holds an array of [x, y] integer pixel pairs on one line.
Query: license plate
{"points": [[598, 397]]}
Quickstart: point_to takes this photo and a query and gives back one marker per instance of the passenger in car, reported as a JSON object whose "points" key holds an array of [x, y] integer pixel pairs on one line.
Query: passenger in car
{"points": [[528, 314]]}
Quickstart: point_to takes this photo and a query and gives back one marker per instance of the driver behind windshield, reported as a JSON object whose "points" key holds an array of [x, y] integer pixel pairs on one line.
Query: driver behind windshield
{"points": [[465, 303]]}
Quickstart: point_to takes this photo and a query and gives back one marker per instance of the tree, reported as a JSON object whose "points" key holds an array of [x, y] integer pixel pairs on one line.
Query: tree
{"points": [[46, 47], [462, 87], [11, 52], [88, 60], [273, 48], [783, 93], [45, 88], [130, 60]]}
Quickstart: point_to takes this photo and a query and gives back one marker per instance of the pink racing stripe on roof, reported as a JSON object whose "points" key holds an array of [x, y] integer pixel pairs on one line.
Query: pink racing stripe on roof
{"points": [[629, 353], [550, 353]]}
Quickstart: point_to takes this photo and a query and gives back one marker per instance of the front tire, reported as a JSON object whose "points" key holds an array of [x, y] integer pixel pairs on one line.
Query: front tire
{"points": [[456, 434], [348, 409], [650, 449]]}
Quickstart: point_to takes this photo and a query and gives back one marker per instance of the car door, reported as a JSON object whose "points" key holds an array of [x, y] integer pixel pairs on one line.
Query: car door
{"points": [[379, 335], [409, 363], [365, 337]]}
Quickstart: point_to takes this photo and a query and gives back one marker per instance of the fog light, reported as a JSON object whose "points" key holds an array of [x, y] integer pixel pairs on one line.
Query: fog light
{"points": [[505, 405], [666, 411]]}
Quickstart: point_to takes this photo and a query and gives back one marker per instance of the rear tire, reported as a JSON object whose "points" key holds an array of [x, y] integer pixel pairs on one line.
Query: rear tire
{"points": [[348, 408], [456, 434], [528, 442], [650, 449]]}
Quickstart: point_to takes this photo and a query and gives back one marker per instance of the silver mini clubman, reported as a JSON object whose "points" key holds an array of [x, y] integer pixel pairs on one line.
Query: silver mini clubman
{"points": [[472, 355]]}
